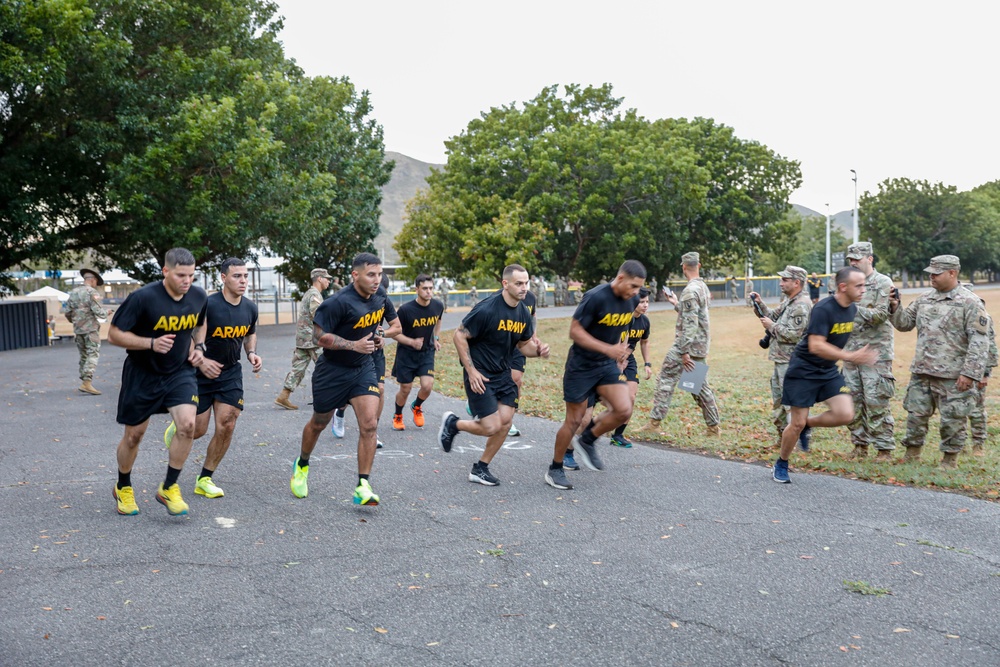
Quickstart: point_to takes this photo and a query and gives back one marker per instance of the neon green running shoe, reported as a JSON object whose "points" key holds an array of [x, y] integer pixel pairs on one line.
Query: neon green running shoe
{"points": [[363, 495], [205, 487], [125, 497], [300, 480], [168, 435], [172, 500]]}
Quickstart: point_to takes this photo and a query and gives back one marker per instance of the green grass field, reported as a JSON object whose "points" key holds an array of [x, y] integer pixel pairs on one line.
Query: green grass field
{"points": [[739, 375]]}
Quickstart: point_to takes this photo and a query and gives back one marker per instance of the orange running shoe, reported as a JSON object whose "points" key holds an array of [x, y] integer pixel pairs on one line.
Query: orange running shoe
{"points": [[397, 422], [418, 416]]}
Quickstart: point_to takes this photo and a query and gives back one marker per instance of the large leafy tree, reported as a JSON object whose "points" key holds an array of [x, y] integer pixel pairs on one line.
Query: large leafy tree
{"points": [[800, 241], [132, 127]]}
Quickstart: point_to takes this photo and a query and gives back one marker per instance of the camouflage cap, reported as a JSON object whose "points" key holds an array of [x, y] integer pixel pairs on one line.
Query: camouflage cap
{"points": [[794, 272], [319, 273], [860, 250], [943, 263], [90, 272], [691, 258]]}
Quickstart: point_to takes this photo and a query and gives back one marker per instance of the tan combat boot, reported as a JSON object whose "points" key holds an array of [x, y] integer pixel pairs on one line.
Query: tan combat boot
{"points": [[912, 456], [950, 460], [88, 388], [860, 453], [654, 425], [978, 450], [712, 430], [883, 455], [283, 401]]}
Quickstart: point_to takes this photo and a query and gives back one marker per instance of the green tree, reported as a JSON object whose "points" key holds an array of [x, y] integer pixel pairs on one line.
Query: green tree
{"points": [[804, 244]]}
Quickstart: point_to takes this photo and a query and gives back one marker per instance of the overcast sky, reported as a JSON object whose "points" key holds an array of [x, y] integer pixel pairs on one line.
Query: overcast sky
{"points": [[890, 89]]}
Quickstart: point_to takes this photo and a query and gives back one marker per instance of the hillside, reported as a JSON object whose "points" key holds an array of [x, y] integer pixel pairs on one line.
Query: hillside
{"points": [[843, 219], [408, 176]]}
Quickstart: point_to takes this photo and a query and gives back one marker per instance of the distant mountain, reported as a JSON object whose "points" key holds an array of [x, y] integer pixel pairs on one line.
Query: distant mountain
{"points": [[844, 219], [408, 177]]}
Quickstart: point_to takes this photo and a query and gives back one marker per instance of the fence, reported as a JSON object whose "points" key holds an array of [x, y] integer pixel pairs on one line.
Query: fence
{"points": [[22, 324]]}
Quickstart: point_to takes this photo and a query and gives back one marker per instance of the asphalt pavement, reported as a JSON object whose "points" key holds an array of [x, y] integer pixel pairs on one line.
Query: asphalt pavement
{"points": [[664, 558]]}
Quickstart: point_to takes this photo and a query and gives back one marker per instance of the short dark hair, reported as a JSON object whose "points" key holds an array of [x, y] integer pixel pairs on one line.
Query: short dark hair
{"points": [[509, 270], [229, 263], [363, 259], [842, 274], [644, 292], [421, 279], [385, 281], [632, 268], [179, 257]]}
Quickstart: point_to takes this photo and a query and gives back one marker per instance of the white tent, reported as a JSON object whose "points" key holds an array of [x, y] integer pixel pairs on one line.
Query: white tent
{"points": [[48, 292]]}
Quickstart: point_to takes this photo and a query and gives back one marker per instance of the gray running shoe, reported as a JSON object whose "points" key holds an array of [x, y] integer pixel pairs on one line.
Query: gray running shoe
{"points": [[556, 478], [587, 454]]}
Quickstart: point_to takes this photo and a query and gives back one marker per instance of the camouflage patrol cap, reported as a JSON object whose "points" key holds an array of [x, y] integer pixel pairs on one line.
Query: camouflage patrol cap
{"points": [[794, 272], [691, 258], [90, 272], [943, 263], [859, 250], [319, 273]]}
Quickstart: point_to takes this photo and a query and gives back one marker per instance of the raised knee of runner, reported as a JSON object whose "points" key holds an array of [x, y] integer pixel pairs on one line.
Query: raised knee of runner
{"points": [[185, 427]]}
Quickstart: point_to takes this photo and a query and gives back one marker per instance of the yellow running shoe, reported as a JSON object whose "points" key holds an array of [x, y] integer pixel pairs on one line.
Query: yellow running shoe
{"points": [[363, 495], [206, 487], [168, 435], [300, 480], [125, 497], [172, 500]]}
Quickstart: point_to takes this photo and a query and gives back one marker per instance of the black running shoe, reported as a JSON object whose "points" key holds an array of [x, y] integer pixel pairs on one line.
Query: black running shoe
{"points": [[448, 430], [804, 437], [481, 475], [556, 478]]}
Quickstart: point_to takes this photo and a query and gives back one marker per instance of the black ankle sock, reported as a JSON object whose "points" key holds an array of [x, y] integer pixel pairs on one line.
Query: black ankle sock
{"points": [[361, 477], [569, 451], [124, 479], [172, 475], [591, 424], [555, 465], [480, 464], [303, 461], [417, 402], [341, 412], [620, 430], [205, 472], [399, 410], [587, 437]]}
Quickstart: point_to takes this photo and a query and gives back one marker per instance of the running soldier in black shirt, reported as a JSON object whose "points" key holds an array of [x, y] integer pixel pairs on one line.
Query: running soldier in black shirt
{"points": [[517, 360], [156, 324], [416, 346], [485, 342], [638, 336], [231, 328], [595, 368], [346, 325], [813, 377]]}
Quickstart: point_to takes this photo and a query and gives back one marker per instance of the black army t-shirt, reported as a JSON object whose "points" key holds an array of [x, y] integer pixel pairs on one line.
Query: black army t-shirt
{"points": [[419, 322], [494, 330], [605, 317], [151, 312], [638, 331], [832, 321], [228, 325], [348, 315]]}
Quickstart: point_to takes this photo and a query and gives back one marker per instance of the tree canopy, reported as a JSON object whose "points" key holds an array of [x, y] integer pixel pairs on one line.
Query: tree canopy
{"points": [[571, 184], [130, 127]]}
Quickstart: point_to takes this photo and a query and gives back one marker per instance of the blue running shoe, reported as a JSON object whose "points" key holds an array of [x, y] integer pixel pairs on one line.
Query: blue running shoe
{"points": [[569, 462], [780, 472], [804, 437]]}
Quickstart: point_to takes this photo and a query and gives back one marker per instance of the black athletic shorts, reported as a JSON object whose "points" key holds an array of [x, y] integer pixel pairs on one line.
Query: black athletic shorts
{"points": [[224, 390], [500, 389], [334, 386], [145, 394], [632, 369], [517, 359], [410, 364], [378, 357], [580, 384], [805, 393]]}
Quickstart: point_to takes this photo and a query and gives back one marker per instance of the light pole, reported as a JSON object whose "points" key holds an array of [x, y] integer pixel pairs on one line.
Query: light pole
{"points": [[855, 179], [828, 239]]}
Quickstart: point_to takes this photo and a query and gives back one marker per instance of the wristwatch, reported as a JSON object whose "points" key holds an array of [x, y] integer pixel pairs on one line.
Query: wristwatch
{"points": [[201, 346]]}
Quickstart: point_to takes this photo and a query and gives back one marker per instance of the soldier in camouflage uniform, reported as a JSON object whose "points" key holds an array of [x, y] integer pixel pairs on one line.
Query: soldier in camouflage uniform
{"points": [[951, 357], [305, 346], [872, 386], [786, 324], [977, 418], [84, 309], [691, 342]]}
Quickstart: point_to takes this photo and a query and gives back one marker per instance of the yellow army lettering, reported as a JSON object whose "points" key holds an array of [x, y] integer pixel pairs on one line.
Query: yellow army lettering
{"points": [[425, 322], [511, 325], [616, 319], [372, 389], [636, 333], [230, 332], [370, 319], [842, 327], [176, 323]]}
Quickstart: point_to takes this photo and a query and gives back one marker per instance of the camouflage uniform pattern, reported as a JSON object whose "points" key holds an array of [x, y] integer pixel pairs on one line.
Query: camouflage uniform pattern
{"points": [[790, 320], [691, 337], [83, 308], [873, 387], [952, 340], [977, 418], [305, 346]]}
